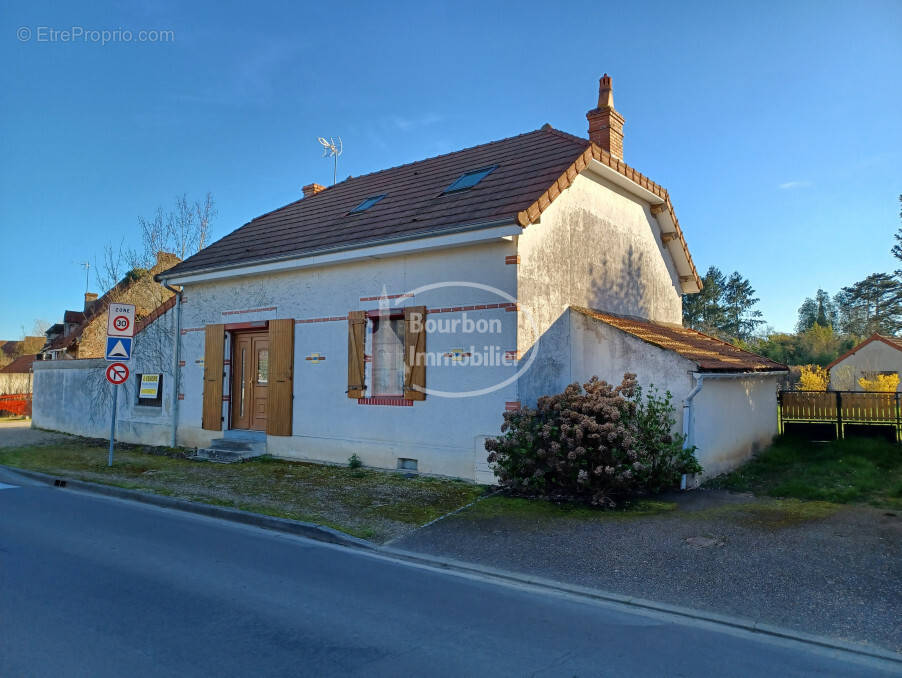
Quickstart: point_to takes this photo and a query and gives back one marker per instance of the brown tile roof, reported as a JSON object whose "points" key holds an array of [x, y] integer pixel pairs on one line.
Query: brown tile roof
{"points": [[709, 353], [895, 342], [414, 204], [154, 314], [99, 306], [73, 317], [21, 365]]}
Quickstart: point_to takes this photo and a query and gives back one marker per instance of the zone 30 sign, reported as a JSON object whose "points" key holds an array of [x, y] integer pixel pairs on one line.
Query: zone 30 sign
{"points": [[121, 320]]}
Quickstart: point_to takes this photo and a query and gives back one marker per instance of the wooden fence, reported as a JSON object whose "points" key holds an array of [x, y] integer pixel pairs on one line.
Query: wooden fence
{"points": [[869, 408]]}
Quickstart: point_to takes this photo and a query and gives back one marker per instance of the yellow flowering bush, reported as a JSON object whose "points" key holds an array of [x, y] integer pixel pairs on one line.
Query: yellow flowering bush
{"points": [[887, 383], [813, 378]]}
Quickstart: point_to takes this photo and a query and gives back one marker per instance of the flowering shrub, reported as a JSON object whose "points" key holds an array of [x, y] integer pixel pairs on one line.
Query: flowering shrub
{"points": [[813, 378], [595, 443], [887, 383]]}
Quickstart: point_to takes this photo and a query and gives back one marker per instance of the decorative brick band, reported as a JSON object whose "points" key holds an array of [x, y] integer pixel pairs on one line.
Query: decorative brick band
{"points": [[181, 363], [227, 362], [512, 259], [479, 307], [512, 307], [328, 319], [406, 295], [226, 398], [181, 396], [397, 401], [509, 306], [192, 329], [250, 310], [512, 405], [512, 355]]}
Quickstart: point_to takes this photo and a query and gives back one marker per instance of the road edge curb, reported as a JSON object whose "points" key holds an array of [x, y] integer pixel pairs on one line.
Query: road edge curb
{"points": [[335, 537]]}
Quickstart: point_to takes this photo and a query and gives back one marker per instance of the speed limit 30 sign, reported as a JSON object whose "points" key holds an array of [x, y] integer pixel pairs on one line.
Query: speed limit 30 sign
{"points": [[121, 320]]}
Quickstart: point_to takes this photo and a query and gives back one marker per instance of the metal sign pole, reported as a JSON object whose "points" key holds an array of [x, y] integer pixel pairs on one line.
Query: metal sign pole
{"points": [[113, 423]]}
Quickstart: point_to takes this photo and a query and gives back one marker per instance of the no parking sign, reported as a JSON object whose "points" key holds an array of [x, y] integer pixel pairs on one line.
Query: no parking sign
{"points": [[117, 373]]}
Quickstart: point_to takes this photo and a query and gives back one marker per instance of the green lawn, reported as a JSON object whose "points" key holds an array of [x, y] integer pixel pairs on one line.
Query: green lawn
{"points": [[854, 470], [369, 504]]}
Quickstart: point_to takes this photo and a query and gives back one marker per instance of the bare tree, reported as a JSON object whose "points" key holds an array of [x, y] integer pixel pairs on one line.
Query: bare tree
{"points": [[183, 231], [187, 227]]}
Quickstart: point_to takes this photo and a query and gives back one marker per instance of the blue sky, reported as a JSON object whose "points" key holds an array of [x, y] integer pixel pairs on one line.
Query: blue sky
{"points": [[775, 126]]}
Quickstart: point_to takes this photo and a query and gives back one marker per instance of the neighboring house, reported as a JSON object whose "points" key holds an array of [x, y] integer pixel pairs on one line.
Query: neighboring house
{"points": [[82, 334], [877, 354], [10, 350], [16, 378], [396, 315]]}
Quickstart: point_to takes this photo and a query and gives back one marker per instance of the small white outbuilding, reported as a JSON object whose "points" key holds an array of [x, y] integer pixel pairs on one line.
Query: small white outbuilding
{"points": [[876, 355]]}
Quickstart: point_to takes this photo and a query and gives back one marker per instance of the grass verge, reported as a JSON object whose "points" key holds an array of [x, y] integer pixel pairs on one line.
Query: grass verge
{"points": [[501, 506], [854, 470], [369, 504]]}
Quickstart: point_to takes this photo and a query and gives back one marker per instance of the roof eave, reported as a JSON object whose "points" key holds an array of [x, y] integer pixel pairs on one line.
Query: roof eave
{"points": [[451, 237]]}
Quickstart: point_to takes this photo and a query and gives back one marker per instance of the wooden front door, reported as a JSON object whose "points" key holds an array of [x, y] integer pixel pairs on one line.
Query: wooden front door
{"points": [[250, 380]]}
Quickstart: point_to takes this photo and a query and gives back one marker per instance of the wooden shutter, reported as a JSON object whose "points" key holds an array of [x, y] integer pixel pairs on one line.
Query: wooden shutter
{"points": [[214, 346], [356, 344], [415, 353], [279, 400]]}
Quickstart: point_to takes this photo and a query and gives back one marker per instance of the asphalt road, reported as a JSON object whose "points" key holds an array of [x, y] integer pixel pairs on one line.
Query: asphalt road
{"points": [[92, 586]]}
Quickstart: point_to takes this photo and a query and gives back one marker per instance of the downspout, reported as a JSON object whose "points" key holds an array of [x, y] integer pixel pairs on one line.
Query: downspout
{"points": [[688, 413], [176, 344], [689, 410]]}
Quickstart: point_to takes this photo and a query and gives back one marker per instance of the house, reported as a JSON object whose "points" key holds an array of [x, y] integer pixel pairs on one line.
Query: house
{"points": [[878, 354], [10, 350], [16, 386], [397, 315], [16, 377], [82, 334]]}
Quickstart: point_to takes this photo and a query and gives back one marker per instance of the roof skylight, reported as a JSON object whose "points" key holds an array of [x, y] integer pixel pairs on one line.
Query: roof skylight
{"points": [[366, 204], [470, 179]]}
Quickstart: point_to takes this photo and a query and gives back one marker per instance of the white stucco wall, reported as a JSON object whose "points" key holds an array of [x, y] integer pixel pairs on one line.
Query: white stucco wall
{"points": [[66, 397], [876, 356], [599, 247], [733, 417], [73, 396], [444, 434]]}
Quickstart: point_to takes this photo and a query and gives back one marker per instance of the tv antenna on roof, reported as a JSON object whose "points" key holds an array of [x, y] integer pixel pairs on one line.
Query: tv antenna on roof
{"points": [[330, 148], [87, 266]]}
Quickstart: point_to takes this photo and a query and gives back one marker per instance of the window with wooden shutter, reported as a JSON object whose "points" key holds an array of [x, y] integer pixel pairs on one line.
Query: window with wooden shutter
{"points": [[281, 377], [356, 346], [214, 347], [415, 353]]}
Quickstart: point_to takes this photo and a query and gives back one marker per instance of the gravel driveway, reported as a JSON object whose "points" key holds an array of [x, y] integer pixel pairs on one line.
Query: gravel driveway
{"points": [[819, 568], [20, 433]]}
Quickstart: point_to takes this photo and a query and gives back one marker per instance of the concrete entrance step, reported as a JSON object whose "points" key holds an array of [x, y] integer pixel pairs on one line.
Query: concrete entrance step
{"points": [[235, 446]]}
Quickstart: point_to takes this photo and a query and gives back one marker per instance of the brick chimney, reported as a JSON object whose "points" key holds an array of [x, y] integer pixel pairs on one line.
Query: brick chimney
{"points": [[90, 298], [312, 189], [606, 124]]}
